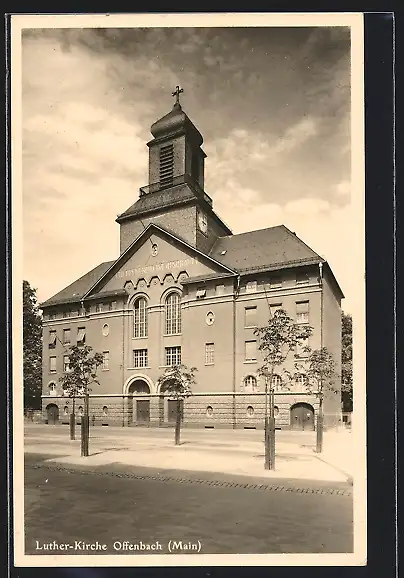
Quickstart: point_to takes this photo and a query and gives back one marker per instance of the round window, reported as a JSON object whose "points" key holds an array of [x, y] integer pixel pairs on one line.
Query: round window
{"points": [[105, 329], [66, 410], [154, 249], [250, 410], [209, 410], [105, 410], [210, 318], [276, 410]]}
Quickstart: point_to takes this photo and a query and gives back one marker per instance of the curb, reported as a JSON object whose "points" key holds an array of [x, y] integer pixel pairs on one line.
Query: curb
{"points": [[349, 477]]}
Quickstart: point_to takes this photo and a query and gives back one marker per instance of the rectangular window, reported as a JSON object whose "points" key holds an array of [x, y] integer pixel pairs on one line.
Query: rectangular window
{"points": [[275, 307], [275, 282], [250, 317], [66, 363], [105, 360], [52, 364], [81, 335], [251, 287], [173, 355], [98, 308], [140, 358], [302, 312], [65, 314], [209, 353], [200, 293], [300, 348], [66, 336], [219, 289], [111, 305], [302, 278], [166, 164], [52, 339], [250, 350]]}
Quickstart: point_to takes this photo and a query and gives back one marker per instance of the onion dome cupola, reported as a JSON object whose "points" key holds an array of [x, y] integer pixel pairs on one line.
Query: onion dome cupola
{"points": [[175, 151]]}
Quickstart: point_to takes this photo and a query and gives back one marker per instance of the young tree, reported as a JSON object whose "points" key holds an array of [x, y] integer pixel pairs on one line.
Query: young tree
{"points": [[346, 362], [32, 348], [81, 374], [281, 337], [320, 378], [177, 382]]}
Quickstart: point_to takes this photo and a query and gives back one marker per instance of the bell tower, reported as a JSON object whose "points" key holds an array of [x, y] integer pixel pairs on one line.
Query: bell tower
{"points": [[175, 151], [174, 197]]}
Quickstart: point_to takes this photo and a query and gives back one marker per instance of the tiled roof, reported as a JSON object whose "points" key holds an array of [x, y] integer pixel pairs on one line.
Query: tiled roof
{"points": [[78, 288], [273, 247], [207, 277]]}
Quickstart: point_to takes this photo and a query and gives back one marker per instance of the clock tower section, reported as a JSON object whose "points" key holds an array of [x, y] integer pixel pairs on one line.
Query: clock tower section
{"points": [[175, 196]]}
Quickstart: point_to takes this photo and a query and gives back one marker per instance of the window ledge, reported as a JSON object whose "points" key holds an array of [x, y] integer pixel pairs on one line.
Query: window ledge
{"points": [[172, 334], [207, 364], [140, 367], [105, 369], [250, 361], [143, 337]]}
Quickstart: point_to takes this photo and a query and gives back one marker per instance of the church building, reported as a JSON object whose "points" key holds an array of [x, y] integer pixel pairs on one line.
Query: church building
{"points": [[184, 289]]}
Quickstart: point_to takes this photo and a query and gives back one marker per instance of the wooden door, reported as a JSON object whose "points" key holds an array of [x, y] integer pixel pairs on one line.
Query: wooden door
{"points": [[172, 410], [142, 411], [52, 414], [302, 417]]}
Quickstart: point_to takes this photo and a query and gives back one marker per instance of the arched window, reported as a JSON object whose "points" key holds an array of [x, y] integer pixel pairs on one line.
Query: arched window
{"points": [[300, 380], [250, 384], [140, 318], [276, 382], [52, 388], [173, 314]]}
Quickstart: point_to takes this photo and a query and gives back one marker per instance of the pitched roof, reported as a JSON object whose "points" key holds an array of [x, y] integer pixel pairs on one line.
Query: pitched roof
{"points": [[264, 248], [77, 289]]}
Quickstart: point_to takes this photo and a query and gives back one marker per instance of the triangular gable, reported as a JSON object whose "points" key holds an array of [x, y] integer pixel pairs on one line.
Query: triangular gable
{"points": [[140, 261]]}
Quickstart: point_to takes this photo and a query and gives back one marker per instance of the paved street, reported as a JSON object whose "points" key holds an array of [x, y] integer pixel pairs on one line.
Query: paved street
{"points": [[67, 504], [137, 486]]}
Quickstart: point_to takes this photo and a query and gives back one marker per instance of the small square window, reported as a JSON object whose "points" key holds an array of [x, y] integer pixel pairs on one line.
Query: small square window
{"points": [[140, 358], [219, 289], [173, 355], [251, 287], [200, 293]]}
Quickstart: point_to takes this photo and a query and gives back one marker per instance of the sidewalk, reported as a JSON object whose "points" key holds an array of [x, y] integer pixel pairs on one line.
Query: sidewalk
{"points": [[201, 453]]}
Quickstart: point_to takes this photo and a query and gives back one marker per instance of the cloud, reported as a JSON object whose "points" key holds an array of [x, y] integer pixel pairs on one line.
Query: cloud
{"points": [[271, 104]]}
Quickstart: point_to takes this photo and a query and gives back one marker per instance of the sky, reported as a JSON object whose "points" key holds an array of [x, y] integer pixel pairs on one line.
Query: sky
{"points": [[273, 106]]}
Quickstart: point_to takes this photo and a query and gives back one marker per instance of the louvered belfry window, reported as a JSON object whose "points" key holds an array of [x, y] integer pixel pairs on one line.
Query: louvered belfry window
{"points": [[166, 164]]}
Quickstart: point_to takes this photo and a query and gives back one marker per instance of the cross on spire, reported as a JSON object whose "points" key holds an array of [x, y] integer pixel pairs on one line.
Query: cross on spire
{"points": [[177, 93]]}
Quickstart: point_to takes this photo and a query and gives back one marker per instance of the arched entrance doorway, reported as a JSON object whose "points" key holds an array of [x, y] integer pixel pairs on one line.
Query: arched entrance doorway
{"points": [[302, 416], [52, 413], [138, 405]]}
